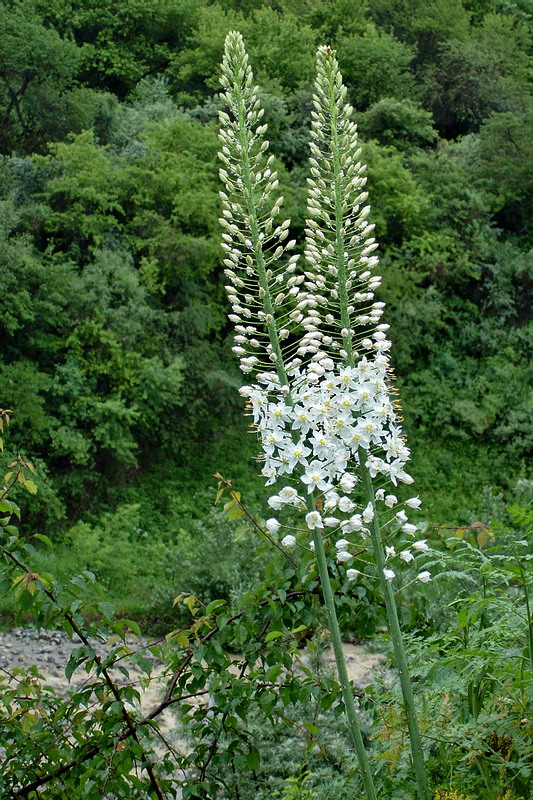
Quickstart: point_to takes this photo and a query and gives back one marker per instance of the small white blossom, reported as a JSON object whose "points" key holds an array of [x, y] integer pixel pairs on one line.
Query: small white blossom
{"points": [[424, 576], [313, 520], [344, 555], [390, 552], [315, 478], [331, 522], [289, 541], [288, 494], [407, 556], [346, 505], [332, 501], [389, 574], [401, 516], [342, 544], [409, 529], [352, 574], [421, 545], [272, 525], [347, 482], [413, 502], [391, 500], [275, 502], [368, 513]]}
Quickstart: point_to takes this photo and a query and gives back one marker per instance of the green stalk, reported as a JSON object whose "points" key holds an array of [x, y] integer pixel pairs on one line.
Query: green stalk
{"points": [[342, 672], [397, 640], [528, 609]]}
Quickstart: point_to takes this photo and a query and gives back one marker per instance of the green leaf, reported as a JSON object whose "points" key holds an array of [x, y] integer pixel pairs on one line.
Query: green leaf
{"points": [[253, 759], [133, 626], [6, 506], [107, 609], [145, 664], [274, 673], [235, 513], [43, 538], [214, 604], [273, 635]]}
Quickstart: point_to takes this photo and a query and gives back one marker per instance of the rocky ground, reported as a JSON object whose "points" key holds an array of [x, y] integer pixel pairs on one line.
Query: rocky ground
{"points": [[50, 651]]}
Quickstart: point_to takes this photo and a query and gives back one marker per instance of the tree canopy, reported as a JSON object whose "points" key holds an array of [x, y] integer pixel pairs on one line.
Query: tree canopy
{"points": [[115, 354]]}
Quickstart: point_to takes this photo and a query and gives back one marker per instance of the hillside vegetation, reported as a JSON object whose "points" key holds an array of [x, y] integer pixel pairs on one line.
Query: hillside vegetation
{"points": [[115, 347]]}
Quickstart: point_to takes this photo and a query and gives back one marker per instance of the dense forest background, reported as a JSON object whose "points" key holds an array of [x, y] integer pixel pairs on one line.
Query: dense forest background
{"points": [[115, 351]]}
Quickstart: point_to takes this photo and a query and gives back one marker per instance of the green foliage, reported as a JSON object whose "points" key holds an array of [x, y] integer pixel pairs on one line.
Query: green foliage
{"points": [[504, 168], [473, 666], [400, 123], [114, 350], [122, 42], [487, 73], [400, 201], [72, 744], [375, 65], [37, 71]]}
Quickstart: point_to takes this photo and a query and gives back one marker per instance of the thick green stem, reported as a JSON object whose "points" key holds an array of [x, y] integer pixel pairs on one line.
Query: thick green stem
{"points": [[397, 640], [528, 610], [342, 672]]}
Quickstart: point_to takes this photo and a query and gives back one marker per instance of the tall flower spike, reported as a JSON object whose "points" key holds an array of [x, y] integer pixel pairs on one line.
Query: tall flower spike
{"points": [[340, 282], [325, 418], [261, 285]]}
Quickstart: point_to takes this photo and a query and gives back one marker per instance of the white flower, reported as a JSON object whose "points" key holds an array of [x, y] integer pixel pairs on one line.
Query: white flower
{"points": [[332, 501], [424, 577], [331, 522], [346, 505], [347, 482], [401, 516], [389, 574], [391, 500], [313, 520], [352, 574], [272, 525], [289, 541], [421, 545], [409, 529], [275, 502], [321, 445], [390, 552], [368, 513], [342, 544], [301, 419], [344, 555], [413, 502], [315, 477], [355, 523], [404, 477], [288, 494], [296, 454], [407, 556]]}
